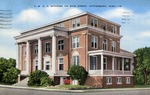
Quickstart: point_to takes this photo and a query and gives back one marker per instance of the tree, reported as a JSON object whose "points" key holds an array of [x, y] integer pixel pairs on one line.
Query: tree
{"points": [[8, 72], [142, 70], [39, 78], [78, 73], [11, 75]]}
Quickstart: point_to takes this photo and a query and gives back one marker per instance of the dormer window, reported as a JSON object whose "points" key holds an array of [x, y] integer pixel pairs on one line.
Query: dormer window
{"points": [[104, 25], [94, 22]]}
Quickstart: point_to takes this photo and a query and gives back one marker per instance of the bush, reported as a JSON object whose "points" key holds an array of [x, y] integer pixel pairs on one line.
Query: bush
{"points": [[46, 81], [67, 81], [78, 73], [11, 75], [39, 78]]}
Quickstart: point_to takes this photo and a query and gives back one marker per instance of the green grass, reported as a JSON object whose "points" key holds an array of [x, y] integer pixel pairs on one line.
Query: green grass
{"points": [[142, 86]]}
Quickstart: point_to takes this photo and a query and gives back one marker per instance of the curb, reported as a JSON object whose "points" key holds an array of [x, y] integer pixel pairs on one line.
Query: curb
{"points": [[73, 91]]}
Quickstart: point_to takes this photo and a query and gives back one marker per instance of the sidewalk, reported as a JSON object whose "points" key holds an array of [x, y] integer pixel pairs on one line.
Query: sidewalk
{"points": [[73, 91]]}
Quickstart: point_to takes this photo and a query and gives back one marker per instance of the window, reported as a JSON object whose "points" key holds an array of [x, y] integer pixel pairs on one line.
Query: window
{"points": [[108, 80], [60, 63], [104, 44], [127, 80], [105, 63], [119, 64], [36, 49], [25, 65], [60, 44], [47, 65], [75, 22], [119, 80], [47, 47], [36, 65], [93, 61], [61, 24], [113, 29], [94, 41], [75, 42], [75, 60], [104, 25], [94, 22], [113, 46]]}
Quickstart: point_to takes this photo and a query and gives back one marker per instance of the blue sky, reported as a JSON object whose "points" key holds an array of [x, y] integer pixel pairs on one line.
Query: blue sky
{"points": [[26, 15]]}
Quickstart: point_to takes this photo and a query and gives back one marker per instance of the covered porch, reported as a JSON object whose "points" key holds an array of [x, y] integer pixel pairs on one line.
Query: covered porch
{"points": [[107, 63]]}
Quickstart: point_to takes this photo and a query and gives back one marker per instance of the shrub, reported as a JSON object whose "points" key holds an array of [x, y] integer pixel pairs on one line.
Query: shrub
{"points": [[39, 78], [11, 75], [78, 73], [46, 81], [67, 81]]}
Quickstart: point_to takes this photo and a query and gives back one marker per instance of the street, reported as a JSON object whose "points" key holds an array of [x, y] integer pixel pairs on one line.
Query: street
{"points": [[18, 91]]}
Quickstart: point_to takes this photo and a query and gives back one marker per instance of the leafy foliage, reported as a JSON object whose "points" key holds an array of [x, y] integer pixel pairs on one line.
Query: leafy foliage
{"points": [[142, 71], [8, 72], [11, 75], [78, 73], [39, 78]]}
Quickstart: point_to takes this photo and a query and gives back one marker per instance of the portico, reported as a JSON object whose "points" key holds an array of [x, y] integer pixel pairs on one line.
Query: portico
{"points": [[52, 33]]}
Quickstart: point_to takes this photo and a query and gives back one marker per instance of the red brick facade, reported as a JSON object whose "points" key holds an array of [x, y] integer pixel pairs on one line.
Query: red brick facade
{"points": [[84, 30]]}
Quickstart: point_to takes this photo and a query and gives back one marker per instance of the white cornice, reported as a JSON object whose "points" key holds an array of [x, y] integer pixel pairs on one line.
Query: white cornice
{"points": [[117, 54]]}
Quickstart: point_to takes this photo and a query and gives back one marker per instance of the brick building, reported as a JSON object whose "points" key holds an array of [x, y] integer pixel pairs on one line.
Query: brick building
{"points": [[83, 39]]}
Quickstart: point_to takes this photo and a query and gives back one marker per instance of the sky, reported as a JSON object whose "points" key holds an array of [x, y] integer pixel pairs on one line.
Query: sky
{"points": [[132, 15]]}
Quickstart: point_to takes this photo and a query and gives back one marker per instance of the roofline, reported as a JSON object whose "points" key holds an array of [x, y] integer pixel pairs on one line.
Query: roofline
{"points": [[70, 17]]}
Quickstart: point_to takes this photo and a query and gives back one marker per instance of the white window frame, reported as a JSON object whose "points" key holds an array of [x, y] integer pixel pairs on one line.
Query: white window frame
{"points": [[60, 63], [105, 63], [46, 65], [94, 40], [76, 60], [47, 48], [36, 49], [75, 42], [94, 21], [113, 29], [113, 45], [104, 44], [104, 24], [119, 80], [61, 45], [95, 64], [128, 80], [36, 64], [108, 80], [75, 22]]}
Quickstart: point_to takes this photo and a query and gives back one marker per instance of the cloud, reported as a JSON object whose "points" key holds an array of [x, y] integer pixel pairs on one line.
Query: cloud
{"points": [[9, 32], [30, 15], [54, 10], [145, 34], [72, 11]]}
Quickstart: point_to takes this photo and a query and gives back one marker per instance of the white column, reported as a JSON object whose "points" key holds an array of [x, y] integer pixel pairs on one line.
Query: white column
{"points": [[39, 54], [113, 63], [17, 56], [27, 57], [54, 54], [102, 66], [123, 65], [131, 67]]}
